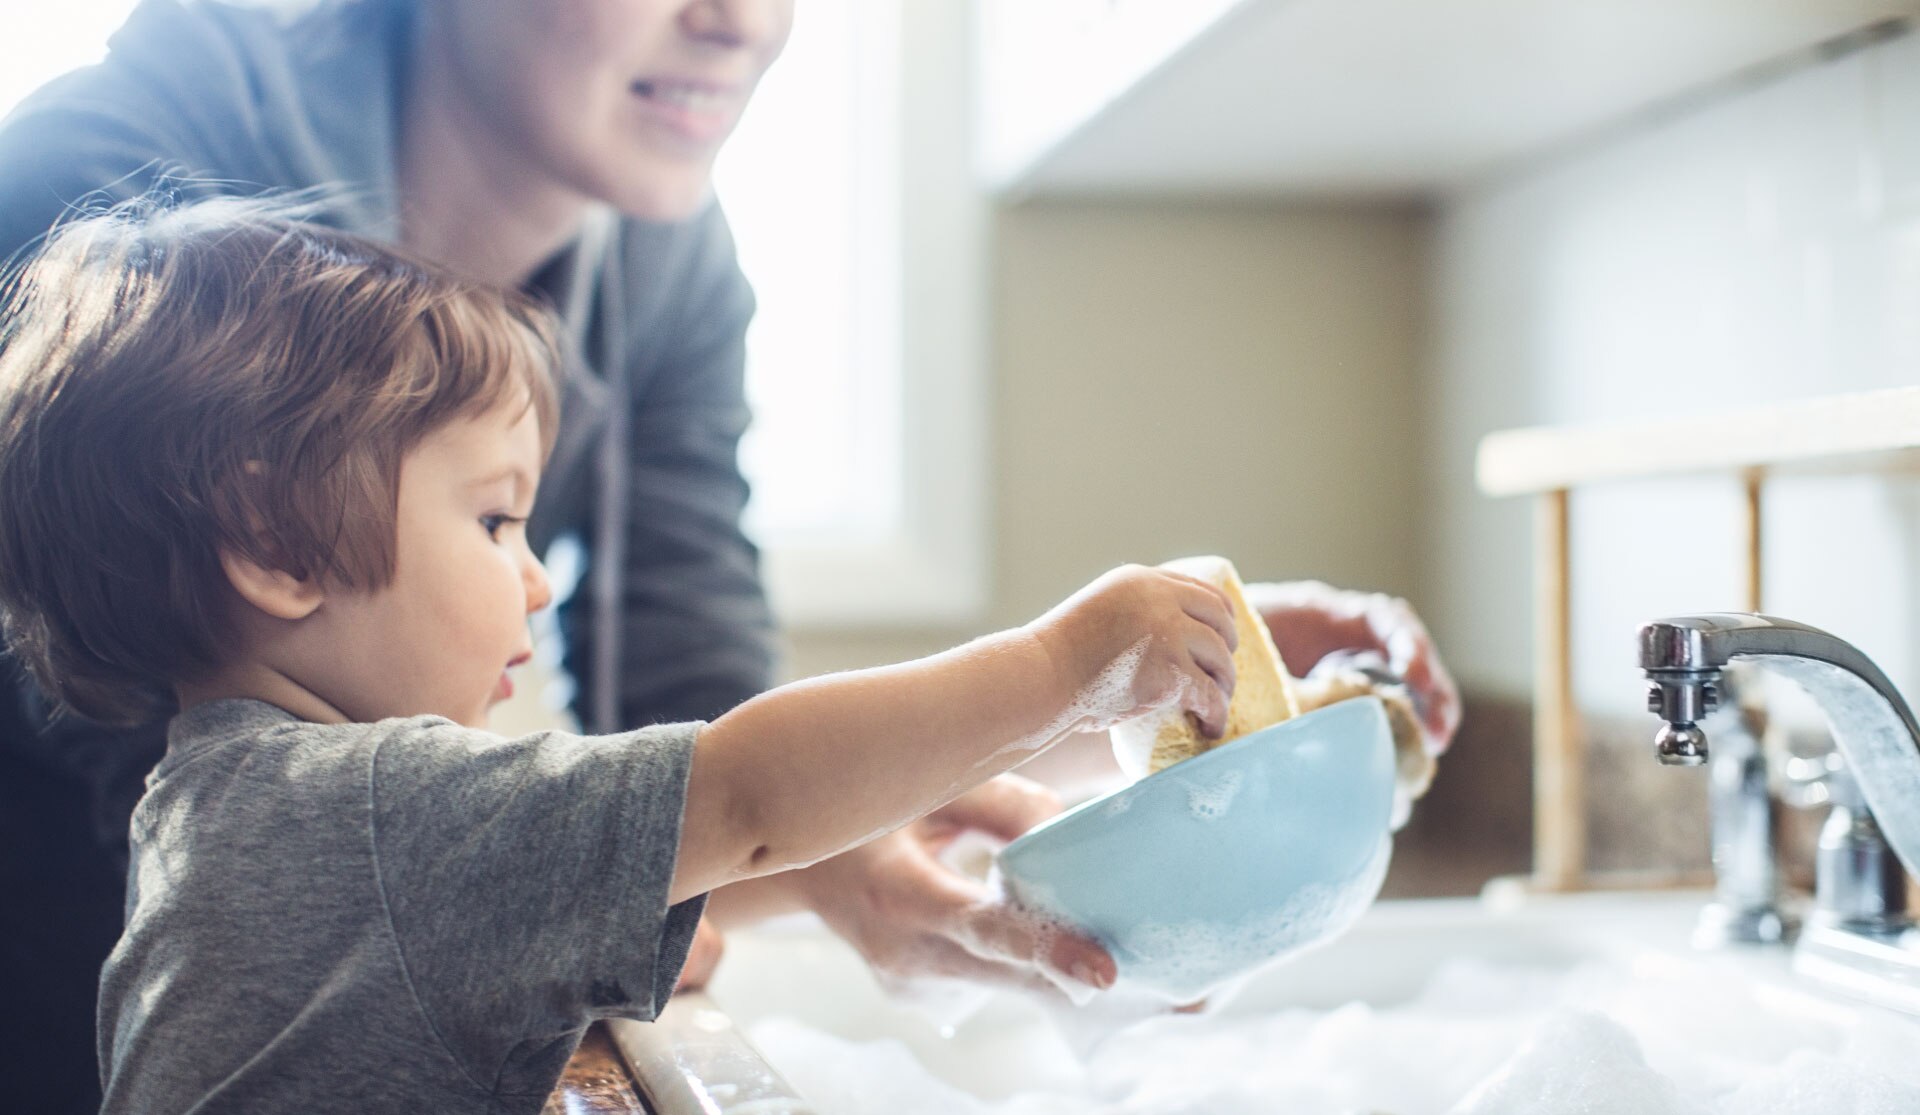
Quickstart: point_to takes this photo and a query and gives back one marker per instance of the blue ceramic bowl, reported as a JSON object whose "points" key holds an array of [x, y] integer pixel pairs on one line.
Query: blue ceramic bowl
{"points": [[1198, 874]]}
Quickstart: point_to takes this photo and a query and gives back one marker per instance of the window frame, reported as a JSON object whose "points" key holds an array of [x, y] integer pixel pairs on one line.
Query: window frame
{"points": [[930, 566]]}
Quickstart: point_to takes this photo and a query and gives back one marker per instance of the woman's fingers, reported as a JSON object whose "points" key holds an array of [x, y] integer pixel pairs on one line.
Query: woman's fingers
{"points": [[703, 956], [944, 959], [1000, 933], [1003, 807], [1411, 655], [1310, 620]]}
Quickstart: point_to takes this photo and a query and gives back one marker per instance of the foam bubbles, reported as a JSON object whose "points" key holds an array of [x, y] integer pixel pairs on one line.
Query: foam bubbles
{"points": [[1577, 1061], [1810, 1080], [1205, 956], [1209, 799], [1484, 1038], [1107, 700]]}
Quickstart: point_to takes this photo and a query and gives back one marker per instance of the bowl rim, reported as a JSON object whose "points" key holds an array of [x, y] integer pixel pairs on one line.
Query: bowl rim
{"points": [[1065, 818]]}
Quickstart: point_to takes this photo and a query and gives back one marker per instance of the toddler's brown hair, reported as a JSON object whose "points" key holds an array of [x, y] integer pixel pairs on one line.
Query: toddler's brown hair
{"points": [[226, 375]]}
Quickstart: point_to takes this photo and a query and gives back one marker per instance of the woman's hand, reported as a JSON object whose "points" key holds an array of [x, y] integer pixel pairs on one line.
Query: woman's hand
{"points": [[911, 916], [703, 956], [1311, 620]]}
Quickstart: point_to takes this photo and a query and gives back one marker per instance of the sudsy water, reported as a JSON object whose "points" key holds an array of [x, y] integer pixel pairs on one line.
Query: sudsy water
{"points": [[1481, 1039]]}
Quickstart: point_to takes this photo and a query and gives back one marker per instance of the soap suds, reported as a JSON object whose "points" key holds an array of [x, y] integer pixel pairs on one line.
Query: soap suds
{"points": [[1205, 957], [1483, 1038], [1209, 799]]}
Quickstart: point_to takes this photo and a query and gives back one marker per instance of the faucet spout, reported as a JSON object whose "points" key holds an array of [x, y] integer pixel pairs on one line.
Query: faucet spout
{"points": [[1683, 657]]}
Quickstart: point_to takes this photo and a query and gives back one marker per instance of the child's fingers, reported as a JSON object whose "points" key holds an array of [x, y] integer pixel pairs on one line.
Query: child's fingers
{"points": [[1210, 605], [1208, 704], [1212, 655]]}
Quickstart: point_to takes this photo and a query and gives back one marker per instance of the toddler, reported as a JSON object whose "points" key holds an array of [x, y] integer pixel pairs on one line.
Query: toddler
{"points": [[274, 480]]}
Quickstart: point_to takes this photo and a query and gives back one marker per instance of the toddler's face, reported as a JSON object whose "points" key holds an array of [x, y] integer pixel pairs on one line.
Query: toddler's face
{"points": [[441, 636]]}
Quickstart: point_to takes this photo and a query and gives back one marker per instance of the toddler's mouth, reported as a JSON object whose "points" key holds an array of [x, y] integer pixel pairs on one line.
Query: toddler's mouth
{"points": [[503, 689]]}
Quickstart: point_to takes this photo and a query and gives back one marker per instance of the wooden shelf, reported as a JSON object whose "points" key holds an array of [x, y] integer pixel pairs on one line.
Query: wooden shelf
{"points": [[1872, 431]]}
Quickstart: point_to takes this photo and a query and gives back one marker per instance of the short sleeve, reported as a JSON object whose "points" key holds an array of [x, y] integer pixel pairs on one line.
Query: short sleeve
{"points": [[526, 879]]}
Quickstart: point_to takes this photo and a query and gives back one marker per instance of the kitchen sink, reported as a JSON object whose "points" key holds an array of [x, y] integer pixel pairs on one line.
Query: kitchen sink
{"points": [[1507, 1003]]}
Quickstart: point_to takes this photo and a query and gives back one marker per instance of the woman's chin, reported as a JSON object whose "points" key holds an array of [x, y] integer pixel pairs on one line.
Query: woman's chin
{"points": [[663, 191]]}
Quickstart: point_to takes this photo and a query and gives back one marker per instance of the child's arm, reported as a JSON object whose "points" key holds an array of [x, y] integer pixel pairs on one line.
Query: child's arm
{"points": [[810, 769]]}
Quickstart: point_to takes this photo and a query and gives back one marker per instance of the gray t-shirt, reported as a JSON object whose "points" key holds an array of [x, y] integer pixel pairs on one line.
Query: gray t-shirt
{"points": [[409, 916]]}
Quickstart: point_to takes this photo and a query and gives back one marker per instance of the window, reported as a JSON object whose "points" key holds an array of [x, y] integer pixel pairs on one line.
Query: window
{"points": [[810, 183], [44, 41], [851, 196]]}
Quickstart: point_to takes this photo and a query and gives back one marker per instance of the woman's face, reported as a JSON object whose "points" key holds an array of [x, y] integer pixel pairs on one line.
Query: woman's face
{"points": [[624, 101]]}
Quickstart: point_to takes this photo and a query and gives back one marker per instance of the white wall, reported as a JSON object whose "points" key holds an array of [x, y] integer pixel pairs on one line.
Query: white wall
{"points": [[1763, 247]]}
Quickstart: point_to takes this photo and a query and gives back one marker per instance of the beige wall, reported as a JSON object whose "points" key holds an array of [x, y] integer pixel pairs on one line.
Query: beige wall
{"points": [[1173, 378]]}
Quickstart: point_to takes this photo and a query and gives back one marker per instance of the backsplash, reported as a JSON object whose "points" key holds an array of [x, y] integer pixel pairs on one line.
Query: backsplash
{"points": [[1759, 247], [1642, 818]]}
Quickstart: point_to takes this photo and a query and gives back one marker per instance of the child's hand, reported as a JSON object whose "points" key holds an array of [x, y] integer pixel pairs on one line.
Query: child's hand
{"points": [[1139, 639]]}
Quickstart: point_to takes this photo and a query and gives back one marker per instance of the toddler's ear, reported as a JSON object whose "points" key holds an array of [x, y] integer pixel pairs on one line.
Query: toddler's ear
{"points": [[274, 591]]}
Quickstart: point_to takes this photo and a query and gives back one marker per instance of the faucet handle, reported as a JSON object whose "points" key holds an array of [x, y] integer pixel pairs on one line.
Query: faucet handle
{"points": [[1810, 781]]}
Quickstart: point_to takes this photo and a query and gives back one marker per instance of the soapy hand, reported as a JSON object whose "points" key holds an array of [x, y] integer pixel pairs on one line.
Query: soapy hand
{"points": [[1311, 620], [1139, 639], [911, 916]]}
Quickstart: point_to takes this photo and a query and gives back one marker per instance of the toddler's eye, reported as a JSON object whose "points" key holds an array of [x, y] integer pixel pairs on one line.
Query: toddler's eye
{"points": [[494, 523]]}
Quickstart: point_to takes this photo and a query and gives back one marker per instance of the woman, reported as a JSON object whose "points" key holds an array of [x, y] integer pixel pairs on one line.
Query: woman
{"points": [[564, 146]]}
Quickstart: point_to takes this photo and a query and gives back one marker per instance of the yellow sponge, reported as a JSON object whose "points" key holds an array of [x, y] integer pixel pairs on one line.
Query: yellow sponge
{"points": [[1263, 694]]}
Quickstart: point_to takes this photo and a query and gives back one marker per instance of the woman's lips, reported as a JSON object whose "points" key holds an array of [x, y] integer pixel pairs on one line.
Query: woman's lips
{"points": [[698, 113]]}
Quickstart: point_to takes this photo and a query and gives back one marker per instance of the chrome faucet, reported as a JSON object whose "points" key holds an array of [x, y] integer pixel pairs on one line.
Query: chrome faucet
{"points": [[1858, 936], [1746, 906]]}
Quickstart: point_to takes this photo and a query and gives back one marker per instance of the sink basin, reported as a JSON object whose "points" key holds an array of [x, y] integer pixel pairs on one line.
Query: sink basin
{"points": [[1502, 1005]]}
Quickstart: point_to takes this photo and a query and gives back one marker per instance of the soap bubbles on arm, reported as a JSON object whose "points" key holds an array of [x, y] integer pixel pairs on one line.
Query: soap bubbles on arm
{"points": [[1139, 639]]}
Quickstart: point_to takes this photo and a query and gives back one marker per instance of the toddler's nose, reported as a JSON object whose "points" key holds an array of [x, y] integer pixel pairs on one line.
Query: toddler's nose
{"points": [[539, 589]]}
